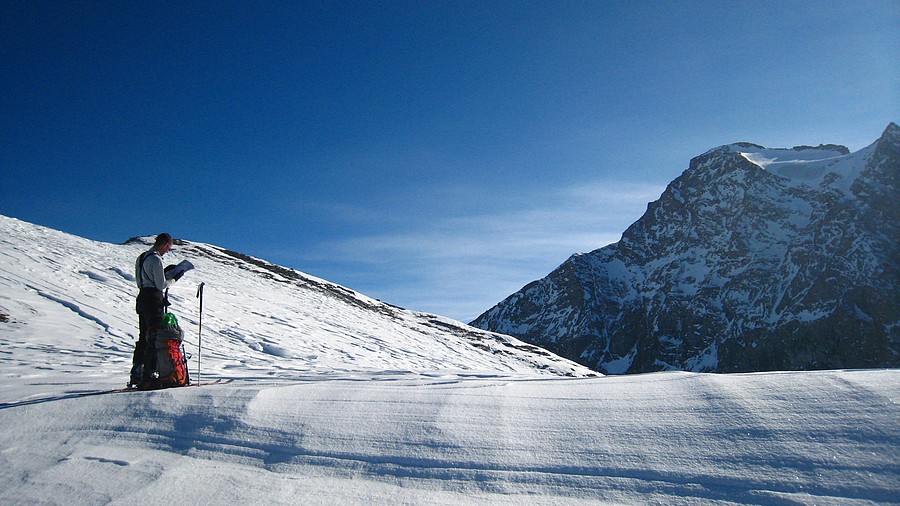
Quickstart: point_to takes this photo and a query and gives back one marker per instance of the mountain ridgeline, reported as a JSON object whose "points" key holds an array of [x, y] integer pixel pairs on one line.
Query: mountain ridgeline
{"points": [[753, 259]]}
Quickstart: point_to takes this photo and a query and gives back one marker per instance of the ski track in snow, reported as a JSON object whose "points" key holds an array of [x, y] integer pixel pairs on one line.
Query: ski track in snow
{"points": [[333, 403]]}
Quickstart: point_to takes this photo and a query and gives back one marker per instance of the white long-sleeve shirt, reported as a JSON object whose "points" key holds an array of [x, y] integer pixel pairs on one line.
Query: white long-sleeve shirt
{"points": [[150, 272]]}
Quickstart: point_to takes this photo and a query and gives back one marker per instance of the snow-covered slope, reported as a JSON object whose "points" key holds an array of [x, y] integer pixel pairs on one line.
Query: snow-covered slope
{"points": [[339, 399], [68, 296], [753, 259]]}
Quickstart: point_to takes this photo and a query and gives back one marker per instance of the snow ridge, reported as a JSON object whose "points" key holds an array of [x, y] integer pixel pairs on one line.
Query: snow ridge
{"points": [[257, 315]]}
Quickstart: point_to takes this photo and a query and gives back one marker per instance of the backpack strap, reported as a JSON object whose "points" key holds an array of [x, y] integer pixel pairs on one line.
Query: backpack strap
{"points": [[141, 260]]}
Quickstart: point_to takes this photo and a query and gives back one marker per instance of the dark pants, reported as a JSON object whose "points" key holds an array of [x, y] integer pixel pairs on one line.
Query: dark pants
{"points": [[150, 307]]}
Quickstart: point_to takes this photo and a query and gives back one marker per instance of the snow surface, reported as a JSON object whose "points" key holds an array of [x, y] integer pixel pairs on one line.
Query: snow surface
{"points": [[74, 295], [348, 401], [807, 166]]}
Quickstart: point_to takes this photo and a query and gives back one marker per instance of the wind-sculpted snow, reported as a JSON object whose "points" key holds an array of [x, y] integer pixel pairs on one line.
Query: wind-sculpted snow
{"points": [[401, 438], [753, 259]]}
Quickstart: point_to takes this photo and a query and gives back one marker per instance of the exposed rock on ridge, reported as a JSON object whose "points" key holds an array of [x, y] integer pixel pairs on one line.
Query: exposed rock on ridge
{"points": [[753, 259]]}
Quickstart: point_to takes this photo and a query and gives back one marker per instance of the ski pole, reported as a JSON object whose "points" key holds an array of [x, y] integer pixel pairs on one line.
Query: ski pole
{"points": [[199, 330]]}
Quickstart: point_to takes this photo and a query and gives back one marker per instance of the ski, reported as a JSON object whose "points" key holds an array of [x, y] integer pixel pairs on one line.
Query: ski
{"points": [[78, 395], [199, 384], [215, 382]]}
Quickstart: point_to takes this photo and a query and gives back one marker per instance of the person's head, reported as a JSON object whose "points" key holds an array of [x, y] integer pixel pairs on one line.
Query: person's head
{"points": [[163, 243]]}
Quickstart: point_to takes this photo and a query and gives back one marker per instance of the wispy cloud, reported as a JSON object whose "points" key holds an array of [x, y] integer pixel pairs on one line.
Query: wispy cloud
{"points": [[460, 266]]}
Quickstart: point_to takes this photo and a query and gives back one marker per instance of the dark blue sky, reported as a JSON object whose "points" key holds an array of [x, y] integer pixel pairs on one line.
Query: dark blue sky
{"points": [[438, 155]]}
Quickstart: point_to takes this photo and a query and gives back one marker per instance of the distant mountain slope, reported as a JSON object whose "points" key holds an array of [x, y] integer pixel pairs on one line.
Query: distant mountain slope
{"points": [[62, 294], [753, 259]]}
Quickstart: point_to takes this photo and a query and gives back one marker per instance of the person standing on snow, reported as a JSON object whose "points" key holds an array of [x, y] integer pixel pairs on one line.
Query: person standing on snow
{"points": [[151, 304]]}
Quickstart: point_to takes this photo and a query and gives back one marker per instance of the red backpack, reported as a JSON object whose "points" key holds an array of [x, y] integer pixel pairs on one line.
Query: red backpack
{"points": [[171, 364]]}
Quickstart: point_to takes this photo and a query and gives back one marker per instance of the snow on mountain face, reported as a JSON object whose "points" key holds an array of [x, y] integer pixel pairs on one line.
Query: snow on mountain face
{"points": [[753, 259], [802, 165], [61, 295]]}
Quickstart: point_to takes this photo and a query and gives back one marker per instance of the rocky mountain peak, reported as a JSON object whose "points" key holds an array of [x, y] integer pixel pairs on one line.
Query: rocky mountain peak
{"points": [[753, 259]]}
